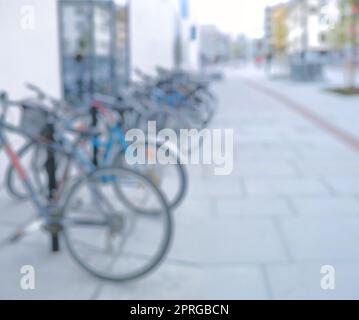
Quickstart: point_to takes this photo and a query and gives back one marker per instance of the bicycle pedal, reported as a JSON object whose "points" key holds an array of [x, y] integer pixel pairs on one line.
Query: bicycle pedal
{"points": [[14, 238]]}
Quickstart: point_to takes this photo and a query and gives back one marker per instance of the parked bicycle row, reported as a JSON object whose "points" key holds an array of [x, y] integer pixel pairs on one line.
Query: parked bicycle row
{"points": [[115, 216]]}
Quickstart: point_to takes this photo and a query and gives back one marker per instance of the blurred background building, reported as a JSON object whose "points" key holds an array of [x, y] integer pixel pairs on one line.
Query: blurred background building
{"points": [[309, 29], [276, 30], [215, 46], [96, 44], [313, 33]]}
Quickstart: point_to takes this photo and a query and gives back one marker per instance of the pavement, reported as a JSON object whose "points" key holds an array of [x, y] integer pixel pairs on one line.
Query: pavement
{"points": [[290, 207]]}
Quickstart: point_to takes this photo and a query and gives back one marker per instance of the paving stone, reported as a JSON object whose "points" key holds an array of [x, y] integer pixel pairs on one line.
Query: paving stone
{"points": [[326, 206], [317, 238], [56, 275], [5, 231], [286, 187], [219, 186], [263, 169], [226, 243], [259, 153], [14, 211], [322, 154], [344, 185], [195, 209], [183, 283], [303, 281], [338, 168], [254, 207]]}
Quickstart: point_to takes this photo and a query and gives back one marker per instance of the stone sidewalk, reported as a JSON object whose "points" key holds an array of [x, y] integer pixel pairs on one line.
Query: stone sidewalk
{"points": [[290, 207]]}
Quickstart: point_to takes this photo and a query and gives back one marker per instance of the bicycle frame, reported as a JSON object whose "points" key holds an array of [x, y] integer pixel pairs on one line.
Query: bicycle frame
{"points": [[116, 135], [4, 143]]}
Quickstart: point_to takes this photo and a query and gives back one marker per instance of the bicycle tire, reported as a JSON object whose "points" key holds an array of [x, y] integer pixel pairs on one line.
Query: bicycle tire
{"points": [[163, 248], [182, 175]]}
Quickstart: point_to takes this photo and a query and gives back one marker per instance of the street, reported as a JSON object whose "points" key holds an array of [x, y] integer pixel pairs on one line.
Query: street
{"points": [[290, 207]]}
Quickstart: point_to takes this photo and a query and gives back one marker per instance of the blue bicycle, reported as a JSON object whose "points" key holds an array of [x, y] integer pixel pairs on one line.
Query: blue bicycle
{"points": [[109, 149], [114, 222]]}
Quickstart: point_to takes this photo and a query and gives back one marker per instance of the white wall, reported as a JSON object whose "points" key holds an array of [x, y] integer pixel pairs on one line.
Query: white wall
{"points": [[190, 47], [29, 55], [152, 28]]}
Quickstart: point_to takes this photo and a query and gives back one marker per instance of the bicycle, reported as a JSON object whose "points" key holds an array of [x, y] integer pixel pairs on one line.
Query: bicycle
{"points": [[90, 217], [114, 153]]}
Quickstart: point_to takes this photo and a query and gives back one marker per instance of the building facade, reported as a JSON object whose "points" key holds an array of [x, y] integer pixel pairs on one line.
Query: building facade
{"points": [[189, 38], [50, 44], [153, 31], [215, 46], [309, 28]]}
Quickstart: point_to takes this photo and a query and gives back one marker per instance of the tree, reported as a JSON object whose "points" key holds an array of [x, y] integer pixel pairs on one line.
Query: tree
{"points": [[279, 41], [346, 36]]}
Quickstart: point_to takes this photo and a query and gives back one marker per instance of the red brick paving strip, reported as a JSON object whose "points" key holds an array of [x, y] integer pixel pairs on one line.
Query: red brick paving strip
{"points": [[338, 133]]}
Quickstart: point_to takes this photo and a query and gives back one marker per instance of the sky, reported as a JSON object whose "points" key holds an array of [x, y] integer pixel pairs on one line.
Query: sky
{"points": [[233, 16]]}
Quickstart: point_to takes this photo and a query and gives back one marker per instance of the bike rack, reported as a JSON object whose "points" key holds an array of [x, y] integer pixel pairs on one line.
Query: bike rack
{"points": [[94, 118], [49, 132]]}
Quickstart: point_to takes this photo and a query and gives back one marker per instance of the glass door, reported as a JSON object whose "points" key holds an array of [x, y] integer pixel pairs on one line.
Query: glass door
{"points": [[87, 35]]}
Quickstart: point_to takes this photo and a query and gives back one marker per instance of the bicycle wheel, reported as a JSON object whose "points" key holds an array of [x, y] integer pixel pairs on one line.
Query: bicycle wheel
{"points": [[106, 237], [171, 178], [176, 120], [207, 105]]}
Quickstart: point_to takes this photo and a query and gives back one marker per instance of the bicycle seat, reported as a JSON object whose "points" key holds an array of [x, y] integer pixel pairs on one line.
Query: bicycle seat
{"points": [[115, 103]]}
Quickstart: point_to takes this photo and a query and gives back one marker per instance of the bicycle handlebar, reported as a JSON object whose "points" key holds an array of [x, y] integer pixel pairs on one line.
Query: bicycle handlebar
{"points": [[5, 103], [3, 95], [3, 99], [39, 92]]}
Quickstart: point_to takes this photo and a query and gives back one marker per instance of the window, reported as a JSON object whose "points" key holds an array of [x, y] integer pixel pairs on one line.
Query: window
{"points": [[193, 33]]}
